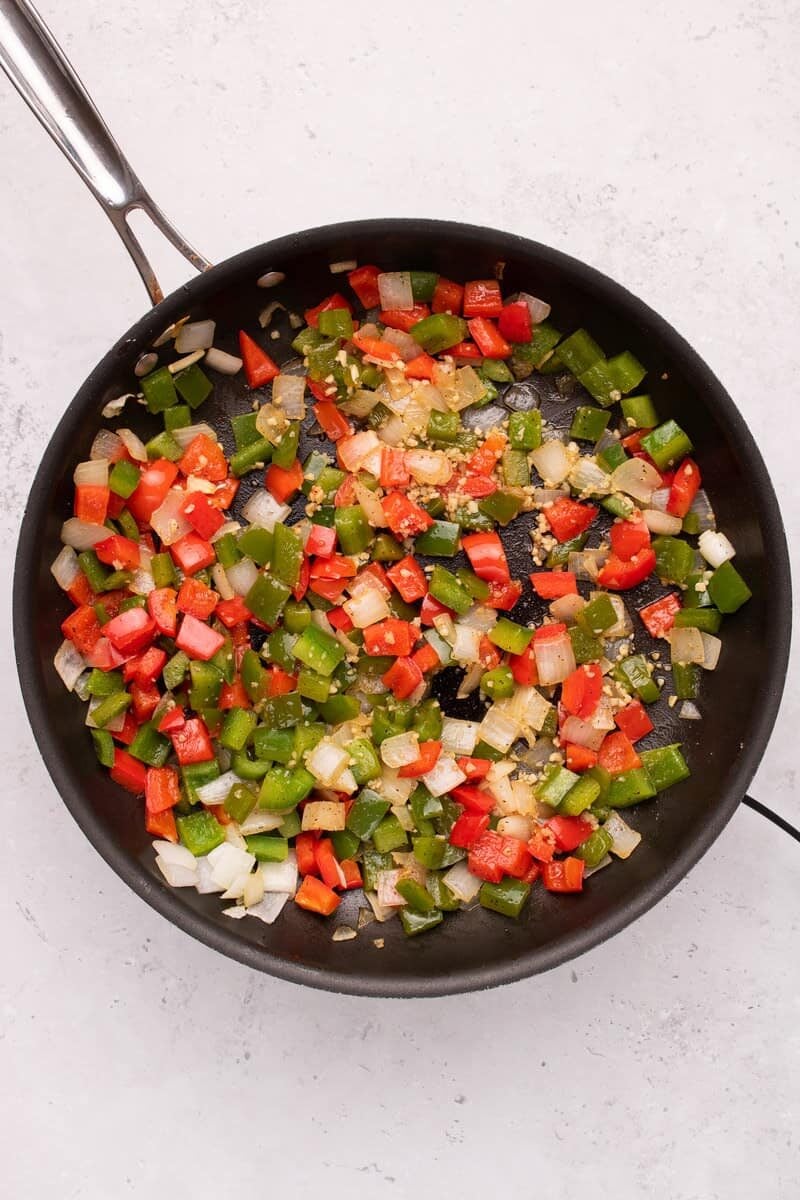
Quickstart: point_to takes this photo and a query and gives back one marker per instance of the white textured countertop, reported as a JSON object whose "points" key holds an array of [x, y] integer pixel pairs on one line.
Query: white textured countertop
{"points": [[657, 142]]}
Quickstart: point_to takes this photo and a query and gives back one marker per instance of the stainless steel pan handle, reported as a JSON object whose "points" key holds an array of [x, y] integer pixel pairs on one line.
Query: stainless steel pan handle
{"points": [[36, 65]]}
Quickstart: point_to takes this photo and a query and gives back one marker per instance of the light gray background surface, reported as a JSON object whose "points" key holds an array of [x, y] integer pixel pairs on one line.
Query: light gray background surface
{"points": [[657, 142]]}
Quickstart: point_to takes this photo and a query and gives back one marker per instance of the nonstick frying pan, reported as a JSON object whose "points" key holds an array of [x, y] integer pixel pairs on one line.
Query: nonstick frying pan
{"points": [[740, 700]]}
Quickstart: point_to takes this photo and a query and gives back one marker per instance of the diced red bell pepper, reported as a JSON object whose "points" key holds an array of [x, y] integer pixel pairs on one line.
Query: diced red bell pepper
{"points": [[659, 617], [191, 742], [488, 338], [128, 772], [280, 682], [428, 757], [375, 571], [568, 518], [174, 718], [337, 300], [404, 518], [352, 873], [321, 541], [403, 678], [473, 799], [618, 754], [634, 721], [466, 350], [204, 458], [569, 832], [197, 639], [684, 488], [304, 848], [192, 553], [409, 579], [332, 421], [523, 667], [493, 856], [420, 367], [618, 575], [259, 368], [154, 483], [477, 486], [482, 298], [224, 494], [542, 844], [580, 758], [403, 318], [197, 599], [146, 697], [131, 631], [233, 612], [394, 472], [336, 566], [328, 864], [430, 609], [484, 460], [447, 296], [118, 552], [515, 322], [425, 657], [475, 768], [115, 505], [581, 691], [128, 731], [338, 619], [91, 503], [566, 875], [79, 591], [488, 654], [315, 896], [321, 390], [329, 589], [203, 515], [550, 585], [546, 632], [364, 282], [346, 492], [504, 596], [162, 825], [487, 557], [468, 828], [391, 636], [162, 789], [103, 655], [145, 667], [376, 348], [83, 629], [283, 482], [628, 538], [233, 695]]}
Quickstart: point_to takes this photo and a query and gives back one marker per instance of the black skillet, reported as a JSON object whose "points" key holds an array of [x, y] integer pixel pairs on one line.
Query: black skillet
{"points": [[740, 700]]}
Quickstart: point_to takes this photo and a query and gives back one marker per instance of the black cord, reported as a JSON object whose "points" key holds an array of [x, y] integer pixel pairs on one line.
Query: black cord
{"points": [[771, 816]]}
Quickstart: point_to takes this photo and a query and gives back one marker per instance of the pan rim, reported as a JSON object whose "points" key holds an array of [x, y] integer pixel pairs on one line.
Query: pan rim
{"points": [[167, 901]]}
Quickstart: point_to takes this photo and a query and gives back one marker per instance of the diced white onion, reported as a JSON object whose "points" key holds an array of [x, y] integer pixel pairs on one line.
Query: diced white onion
{"points": [[69, 664], [167, 520], [715, 548], [587, 476], [400, 750], [270, 279], [327, 761], [555, 659], [701, 508], [188, 360], [686, 645], [636, 478], [220, 360], [175, 875], [106, 444], [367, 607], [689, 711], [404, 816], [566, 608], [271, 907], [93, 473], [444, 776], [288, 392], [261, 821], [660, 499], [552, 461], [582, 733], [625, 839], [134, 444], [236, 912], [388, 895], [204, 878], [393, 788], [469, 389], [394, 289], [361, 403], [439, 645], [516, 827], [228, 863], [462, 883], [115, 406], [253, 890], [466, 644], [661, 522], [431, 467], [712, 648], [142, 583], [354, 450], [345, 264], [406, 346], [264, 510], [604, 862], [242, 575], [539, 309], [65, 567], [459, 737], [371, 504], [470, 681], [282, 876], [499, 730], [219, 577], [194, 335], [173, 852], [81, 535], [216, 792], [324, 814]]}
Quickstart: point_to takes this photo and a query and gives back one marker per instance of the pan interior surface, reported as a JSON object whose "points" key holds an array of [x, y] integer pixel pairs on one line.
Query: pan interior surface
{"points": [[739, 702]]}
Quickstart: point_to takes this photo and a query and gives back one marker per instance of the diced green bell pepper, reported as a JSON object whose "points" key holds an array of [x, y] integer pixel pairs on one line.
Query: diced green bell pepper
{"points": [[200, 832], [579, 352], [287, 555], [267, 847], [559, 555], [439, 332], [507, 897], [629, 788], [581, 795], [509, 636], [177, 417], [193, 385], [445, 588], [367, 813], [515, 468], [109, 708], [423, 285], [266, 598], [158, 389], [285, 787], [443, 427], [598, 615], [665, 765], [588, 423], [364, 763], [335, 322], [666, 444], [639, 412], [385, 548], [416, 922], [727, 589], [415, 895], [501, 506], [124, 479], [633, 674], [611, 457], [237, 725], [352, 529], [585, 647], [254, 455], [556, 782], [498, 684], [284, 450], [595, 848], [440, 540], [103, 747], [525, 430], [707, 620], [240, 802], [389, 835], [318, 650], [674, 559], [283, 712], [257, 543]]}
